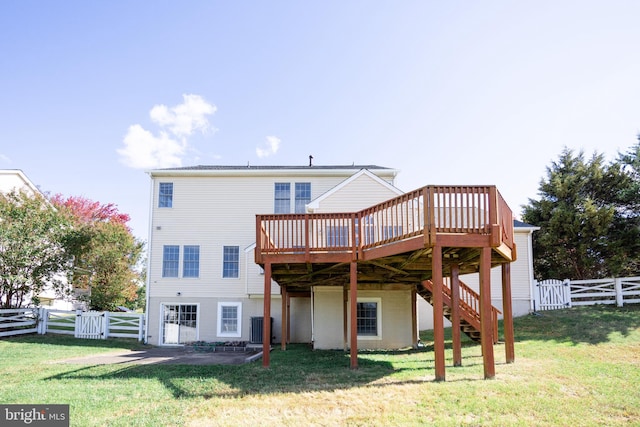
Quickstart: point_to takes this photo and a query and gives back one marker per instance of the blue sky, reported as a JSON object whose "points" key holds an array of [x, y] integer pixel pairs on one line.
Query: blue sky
{"points": [[455, 92]]}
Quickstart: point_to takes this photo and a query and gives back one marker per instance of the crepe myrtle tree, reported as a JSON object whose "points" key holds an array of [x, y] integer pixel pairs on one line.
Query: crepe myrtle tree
{"points": [[33, 249], [106, 254]]}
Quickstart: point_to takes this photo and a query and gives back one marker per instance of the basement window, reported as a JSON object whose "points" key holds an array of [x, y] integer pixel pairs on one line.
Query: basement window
{"points": [[369, 318]]}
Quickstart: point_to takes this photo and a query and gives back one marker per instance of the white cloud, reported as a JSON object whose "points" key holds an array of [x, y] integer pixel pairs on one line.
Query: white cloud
{"points": [[271, 147], [183, 119], [4, 159], [144, 150]]}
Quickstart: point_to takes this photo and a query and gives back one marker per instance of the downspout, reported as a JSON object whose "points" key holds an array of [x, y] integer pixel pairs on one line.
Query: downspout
{"points": [[148, 284], [313, 340], [532, 289]]}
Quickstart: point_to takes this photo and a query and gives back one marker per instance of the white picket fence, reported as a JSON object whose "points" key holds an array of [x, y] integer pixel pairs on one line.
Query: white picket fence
{"points": [[554, 294], [81, 324]]}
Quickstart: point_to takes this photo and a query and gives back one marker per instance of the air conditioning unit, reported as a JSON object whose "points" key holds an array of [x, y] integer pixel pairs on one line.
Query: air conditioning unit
{"points": [[257, 324]]}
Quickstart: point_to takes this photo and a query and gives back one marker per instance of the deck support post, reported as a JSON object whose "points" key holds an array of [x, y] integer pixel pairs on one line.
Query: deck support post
{"points": [[455, 315], [507, 312], [486, 318], [345, 318], [266, 320], [285, 318], [353, 294], [414, 318], [438, 312]]}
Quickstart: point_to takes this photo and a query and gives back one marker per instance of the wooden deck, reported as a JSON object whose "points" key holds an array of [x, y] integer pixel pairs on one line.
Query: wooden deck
{"points": [[420, 236]]}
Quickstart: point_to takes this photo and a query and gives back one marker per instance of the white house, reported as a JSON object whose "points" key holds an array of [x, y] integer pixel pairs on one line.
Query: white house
{"points": [[204, 284]]}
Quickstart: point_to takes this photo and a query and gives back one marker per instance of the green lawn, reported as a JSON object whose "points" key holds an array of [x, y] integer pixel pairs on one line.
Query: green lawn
{"points": [[575, 367]]}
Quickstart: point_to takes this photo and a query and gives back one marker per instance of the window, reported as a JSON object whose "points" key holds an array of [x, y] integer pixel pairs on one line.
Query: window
{"points": [[170, 260], [337, 236], [368, 230], [391, 231], [191, 261], [282, 203], [368, 318], [229, 319], [165, 195], [231, 261], [303, 196]]}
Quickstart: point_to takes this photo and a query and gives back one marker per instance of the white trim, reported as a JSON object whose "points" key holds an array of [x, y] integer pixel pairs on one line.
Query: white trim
{"points": [[378, 301], [238, 332], [276, 172], [315, 203]]}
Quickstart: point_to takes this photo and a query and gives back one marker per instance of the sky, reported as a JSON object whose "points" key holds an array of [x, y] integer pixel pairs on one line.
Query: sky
{"points": [[93, 94]]}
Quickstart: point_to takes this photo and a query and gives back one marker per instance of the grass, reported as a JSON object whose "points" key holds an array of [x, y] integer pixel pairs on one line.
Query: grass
{"points": [[573, 367]]}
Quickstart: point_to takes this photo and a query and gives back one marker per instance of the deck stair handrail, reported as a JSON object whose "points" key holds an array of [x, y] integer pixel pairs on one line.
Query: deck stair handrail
{"points": [[469, 306], [479, 210]]}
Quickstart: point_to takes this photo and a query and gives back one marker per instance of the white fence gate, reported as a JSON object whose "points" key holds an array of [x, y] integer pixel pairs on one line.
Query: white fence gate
{"points": [[554, 294], [551, 294], [91, 325]]}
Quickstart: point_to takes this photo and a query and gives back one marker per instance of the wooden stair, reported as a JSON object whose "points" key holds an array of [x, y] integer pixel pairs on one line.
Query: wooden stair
{"points": [[469, 308]]}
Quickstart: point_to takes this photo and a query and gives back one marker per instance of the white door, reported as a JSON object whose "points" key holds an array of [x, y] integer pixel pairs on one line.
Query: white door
{"points": [[180, 323]]}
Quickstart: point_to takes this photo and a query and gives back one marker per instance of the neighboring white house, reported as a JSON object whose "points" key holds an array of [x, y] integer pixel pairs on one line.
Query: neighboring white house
{"points": [[16, 180], [204, 285]]}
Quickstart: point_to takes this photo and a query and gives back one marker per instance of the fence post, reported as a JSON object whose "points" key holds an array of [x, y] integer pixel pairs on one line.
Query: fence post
{"points": [[105, 325], [536, 296], [78, 326], [42, 320], [567, 284], [619, 296], [141, 327]]}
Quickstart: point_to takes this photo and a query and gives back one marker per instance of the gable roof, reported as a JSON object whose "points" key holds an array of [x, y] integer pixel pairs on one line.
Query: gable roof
{"points": [[315, 203]]}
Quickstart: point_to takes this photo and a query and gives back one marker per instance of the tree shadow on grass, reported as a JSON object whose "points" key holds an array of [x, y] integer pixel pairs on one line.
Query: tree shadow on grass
{"points": [[588, 324], [298, 369]]}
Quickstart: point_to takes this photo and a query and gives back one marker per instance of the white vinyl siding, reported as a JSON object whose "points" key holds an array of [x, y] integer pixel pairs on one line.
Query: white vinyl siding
{"points": [[198, 219], [362, 193]]}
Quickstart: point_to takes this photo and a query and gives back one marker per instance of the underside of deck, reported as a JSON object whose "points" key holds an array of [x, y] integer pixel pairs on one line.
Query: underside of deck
{"points": [[398, 268]]}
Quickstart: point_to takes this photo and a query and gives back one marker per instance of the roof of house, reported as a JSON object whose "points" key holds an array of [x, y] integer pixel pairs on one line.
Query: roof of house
{"points": [[271, 167], [259, 170], [520, 224]]}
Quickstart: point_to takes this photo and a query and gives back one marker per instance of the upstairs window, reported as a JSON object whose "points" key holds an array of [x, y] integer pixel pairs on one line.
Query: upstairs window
{"points": [[191, 261], [303, 196], [231, 262], [391, 231], [170, 260], [282, 201], [337, 236], [165, 195]]}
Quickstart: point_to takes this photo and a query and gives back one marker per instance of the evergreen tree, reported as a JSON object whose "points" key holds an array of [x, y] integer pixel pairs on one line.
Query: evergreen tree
{"points": [[573, 220]]}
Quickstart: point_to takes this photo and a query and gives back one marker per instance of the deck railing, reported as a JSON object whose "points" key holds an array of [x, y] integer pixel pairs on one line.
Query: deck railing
{"points": [[426, 211]]}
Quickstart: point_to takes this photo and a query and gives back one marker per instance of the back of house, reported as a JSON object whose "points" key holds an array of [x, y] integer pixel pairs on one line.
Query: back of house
{"points": [[203, 282]]}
